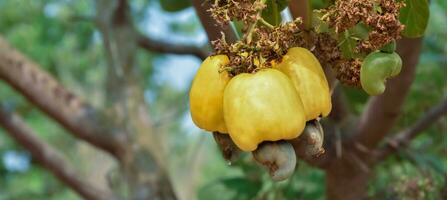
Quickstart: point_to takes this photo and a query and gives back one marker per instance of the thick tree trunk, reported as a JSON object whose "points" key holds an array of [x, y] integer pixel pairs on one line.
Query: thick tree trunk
{"points": [[347, 177], [143, 172], [346, 181]]}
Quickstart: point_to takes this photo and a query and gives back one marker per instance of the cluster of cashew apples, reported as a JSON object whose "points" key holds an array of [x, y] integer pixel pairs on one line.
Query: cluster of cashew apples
{"points": [[268, 105], [271, 104]]}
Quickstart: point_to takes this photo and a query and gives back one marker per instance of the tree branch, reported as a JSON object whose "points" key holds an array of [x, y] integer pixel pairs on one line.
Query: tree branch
{"points": [[301, 8], [167, 47], [48, 157], [50, 96], [404, 137], [213, 30], [382, 111], [145, 167]]}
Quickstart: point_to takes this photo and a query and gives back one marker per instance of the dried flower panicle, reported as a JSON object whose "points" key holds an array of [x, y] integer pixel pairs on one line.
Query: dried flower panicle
{"points": [[277, 41], [381, 16], [264, 45], [224, 11], [268, 45], [322, 45], [386, 26], [348, 71]]}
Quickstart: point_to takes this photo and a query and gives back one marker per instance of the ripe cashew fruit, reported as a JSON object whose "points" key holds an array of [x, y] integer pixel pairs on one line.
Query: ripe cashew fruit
{"points": [[263, 106], [206, 94], [278, 157], [375, 70], [307, 75]]}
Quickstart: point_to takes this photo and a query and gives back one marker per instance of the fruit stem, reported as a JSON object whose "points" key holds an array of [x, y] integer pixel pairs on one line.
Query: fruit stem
{"points": [[265, 23], [336, 82], [249, 34]]}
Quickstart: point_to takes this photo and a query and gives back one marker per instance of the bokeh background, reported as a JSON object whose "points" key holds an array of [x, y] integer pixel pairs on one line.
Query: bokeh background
{"points": [[62, 38]]}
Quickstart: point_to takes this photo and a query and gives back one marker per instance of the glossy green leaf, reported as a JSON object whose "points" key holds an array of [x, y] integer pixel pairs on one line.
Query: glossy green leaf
{"points": [[174, 5], [415, 17]]}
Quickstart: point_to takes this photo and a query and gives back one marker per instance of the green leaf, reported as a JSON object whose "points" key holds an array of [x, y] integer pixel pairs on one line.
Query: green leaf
{"points": [[415, 17], [359, 31], [174, 5], [238, 26], [347, 45], [272, 13], [319, 25]]}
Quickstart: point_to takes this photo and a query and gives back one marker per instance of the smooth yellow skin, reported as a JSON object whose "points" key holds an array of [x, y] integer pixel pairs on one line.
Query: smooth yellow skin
{"points": [[206, 94], [262, 107], [307, 75]]}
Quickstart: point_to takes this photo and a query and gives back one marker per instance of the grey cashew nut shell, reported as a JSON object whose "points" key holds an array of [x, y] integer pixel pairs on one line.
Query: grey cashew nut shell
{"points": [[278, 157], [314, 137]]}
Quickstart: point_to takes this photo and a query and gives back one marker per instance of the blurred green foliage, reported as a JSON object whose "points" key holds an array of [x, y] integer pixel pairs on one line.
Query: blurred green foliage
{"points": [[415, 17], [62, 38]]}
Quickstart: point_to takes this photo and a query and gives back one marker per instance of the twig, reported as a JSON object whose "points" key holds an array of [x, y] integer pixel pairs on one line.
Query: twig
{"points": [[49, 157], [167, 47], [303, 9], [210, 25], [39, 87], [403, 138], [265, 23]]}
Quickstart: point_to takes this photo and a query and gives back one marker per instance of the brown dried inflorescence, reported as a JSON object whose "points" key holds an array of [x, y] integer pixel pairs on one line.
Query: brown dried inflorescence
{"points": [[381, 16], [322, 45], [382, 19], [277, 41], [264, 45], [348, 71], [268, 45], [224, 11], [386, 26]]}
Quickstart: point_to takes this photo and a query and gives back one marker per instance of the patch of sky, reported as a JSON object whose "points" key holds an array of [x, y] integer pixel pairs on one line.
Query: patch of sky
{"points": [[16, 161], [175, 70]]}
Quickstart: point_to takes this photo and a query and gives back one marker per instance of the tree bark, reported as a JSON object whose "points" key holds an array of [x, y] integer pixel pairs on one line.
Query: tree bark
{"points": [[303, 9], [167, 47], [403, 138], [49, 158], [145, 168], [345, 181], [347, 176], [39, 87]]}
